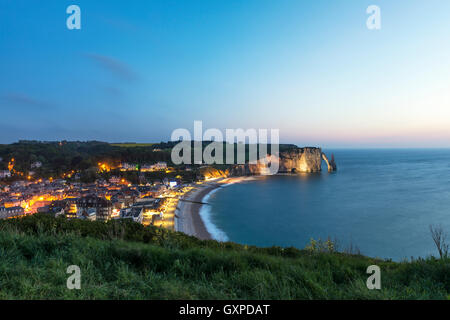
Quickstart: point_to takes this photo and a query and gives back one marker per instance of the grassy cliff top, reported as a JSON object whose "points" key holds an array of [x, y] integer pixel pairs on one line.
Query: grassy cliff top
{"points": [[124, 260]]}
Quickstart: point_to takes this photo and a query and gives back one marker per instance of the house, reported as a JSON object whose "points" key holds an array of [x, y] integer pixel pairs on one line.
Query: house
{"points": [[57, 211], [11, 212], [135, 213], [36, 165], [104, 207], [89, 214], [157, 220], [173, 183], [154, 191], [19, 184], [12, 202], [67, 206], [114, 180], [154, 167], [161, 166], [5, 174], [43, 209], [151, 206], [128, 167]]}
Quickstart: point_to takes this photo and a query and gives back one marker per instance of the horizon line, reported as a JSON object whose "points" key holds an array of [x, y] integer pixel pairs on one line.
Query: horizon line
{"points": [[281, 143]]}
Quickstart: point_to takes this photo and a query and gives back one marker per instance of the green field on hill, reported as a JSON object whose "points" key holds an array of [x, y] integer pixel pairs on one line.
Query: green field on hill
{"points": [[124, 260], [131, 145]]}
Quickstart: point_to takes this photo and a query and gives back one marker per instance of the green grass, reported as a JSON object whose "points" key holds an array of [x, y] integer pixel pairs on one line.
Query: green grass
{"points": [[124, 260], [132, 145]]}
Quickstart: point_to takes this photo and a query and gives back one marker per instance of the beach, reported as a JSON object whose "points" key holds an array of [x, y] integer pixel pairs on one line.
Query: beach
{"points": [[187, 218]]}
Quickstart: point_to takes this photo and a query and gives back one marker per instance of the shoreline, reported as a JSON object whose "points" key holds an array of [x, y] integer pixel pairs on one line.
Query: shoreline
{"points": [[188, 218]]}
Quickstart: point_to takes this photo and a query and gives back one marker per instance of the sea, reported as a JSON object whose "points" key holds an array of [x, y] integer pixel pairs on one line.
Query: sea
{"points": [[380, 202]]}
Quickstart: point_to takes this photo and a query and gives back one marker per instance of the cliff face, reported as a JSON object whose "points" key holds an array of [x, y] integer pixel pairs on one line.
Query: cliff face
{"points": [[211, 173], [301, 160], [246, 169], [308, 159], [295, 160]]}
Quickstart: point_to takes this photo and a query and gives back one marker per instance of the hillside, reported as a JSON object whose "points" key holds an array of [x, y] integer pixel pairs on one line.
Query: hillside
{"points": [[124, 260]]}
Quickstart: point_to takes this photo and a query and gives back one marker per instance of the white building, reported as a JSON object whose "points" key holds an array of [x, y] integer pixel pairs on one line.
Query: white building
{"points": [[11, 212], [135, 213], [128, 167], [5, 174], [114, 180], [160, 166], [36, 165]]}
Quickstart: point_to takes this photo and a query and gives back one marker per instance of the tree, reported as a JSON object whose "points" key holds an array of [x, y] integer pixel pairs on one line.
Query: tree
{"points": [[440, 238]]}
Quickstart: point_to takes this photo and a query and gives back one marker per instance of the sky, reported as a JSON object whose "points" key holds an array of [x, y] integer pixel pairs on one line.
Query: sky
{"points": [[137, 70]]}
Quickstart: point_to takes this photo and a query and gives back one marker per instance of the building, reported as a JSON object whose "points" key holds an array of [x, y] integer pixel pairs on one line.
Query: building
{"points": [[11, 212], [104, 208], [44, 209], [128, 167], [114, 180], [135, 213], [151, 206], [58, 211], [155, 191], [12, 202], [67, 206], [36, 165], [89, 214], [160, 166], [5, 174]]}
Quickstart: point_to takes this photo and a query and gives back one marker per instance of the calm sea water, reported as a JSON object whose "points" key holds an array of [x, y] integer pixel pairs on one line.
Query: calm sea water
{"points": [[383, 201]]}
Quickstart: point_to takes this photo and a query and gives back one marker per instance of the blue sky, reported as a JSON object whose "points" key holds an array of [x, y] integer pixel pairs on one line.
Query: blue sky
{"points": [[137, 70]]}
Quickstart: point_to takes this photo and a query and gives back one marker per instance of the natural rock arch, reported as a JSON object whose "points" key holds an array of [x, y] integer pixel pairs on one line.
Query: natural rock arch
{"points": [[330, 164]]}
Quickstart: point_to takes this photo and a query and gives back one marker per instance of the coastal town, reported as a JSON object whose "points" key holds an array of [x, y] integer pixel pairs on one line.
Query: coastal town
{"points": [[98, 181], [116, 198]]}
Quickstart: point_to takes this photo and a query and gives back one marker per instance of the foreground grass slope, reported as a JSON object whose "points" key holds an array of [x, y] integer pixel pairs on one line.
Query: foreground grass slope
{"points": [[124, 260]]}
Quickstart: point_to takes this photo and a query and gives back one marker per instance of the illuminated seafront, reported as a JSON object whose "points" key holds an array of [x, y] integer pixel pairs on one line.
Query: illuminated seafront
{"points": [[103, 199]]}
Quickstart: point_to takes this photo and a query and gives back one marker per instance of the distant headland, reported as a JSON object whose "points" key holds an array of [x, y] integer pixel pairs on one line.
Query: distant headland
{"points": [[295, 160], [290, 160]]}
